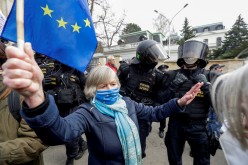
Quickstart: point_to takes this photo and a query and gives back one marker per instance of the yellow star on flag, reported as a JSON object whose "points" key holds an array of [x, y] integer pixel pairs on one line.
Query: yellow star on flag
{"points": [[62, 23], [47, 11], [87, 22], [76, 27]]}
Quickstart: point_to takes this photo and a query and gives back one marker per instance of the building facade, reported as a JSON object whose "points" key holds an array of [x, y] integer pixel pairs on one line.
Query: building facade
{"points": [[212, 34], [129, 42]]}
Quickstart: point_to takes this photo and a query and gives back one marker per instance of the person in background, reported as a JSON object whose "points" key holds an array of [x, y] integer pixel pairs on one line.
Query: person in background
{"points": [[229, 95], [189, 125], [217, 68], [111, 63], [214, 125], [109, 121], [18, 142], [162, 68], [141, 81]]}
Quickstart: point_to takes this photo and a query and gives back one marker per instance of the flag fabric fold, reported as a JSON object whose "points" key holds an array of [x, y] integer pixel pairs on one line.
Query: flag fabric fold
{"points": [[62, 30]]}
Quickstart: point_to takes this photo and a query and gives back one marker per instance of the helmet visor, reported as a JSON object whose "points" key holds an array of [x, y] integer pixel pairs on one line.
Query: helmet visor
{"points": [[193, 49], [159, 51]]}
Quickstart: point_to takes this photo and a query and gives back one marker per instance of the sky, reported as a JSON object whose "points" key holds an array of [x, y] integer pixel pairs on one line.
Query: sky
{"points": [[198, 12]]}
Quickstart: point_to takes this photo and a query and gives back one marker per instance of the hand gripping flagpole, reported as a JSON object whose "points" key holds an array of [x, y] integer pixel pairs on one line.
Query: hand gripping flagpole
{"points": [[20, 23]]}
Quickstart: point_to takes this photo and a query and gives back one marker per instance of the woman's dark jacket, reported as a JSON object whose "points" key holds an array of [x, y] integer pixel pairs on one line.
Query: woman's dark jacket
{"points": [[103, 143]]}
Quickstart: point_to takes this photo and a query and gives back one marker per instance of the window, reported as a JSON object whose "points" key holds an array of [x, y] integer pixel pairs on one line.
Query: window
{"points": [[205, 41], [219, 27], [156, 38], [218, 41], [206, 29]]}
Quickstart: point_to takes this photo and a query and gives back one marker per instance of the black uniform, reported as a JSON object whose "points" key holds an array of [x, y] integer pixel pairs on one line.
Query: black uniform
{"points": [[140, 81], [66, 85], [189, 125]]}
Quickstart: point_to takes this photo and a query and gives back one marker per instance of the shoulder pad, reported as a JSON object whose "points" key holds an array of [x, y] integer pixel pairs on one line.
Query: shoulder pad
{"points": [[171, 73]]}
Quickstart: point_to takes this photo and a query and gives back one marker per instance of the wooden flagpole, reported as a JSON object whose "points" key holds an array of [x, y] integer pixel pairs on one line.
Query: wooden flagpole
{"points": [[20, 23]]}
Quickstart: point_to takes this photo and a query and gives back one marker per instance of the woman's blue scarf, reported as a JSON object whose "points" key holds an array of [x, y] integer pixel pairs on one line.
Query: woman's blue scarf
{"points": [[126, 129]]}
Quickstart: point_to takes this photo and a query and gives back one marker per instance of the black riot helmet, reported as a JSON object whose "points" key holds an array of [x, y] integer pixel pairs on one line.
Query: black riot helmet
{"points": [[148, 52], [193, 51]]}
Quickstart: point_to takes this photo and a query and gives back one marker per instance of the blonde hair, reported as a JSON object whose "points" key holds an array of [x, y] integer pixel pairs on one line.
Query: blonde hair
{"points": [[98, 75], [228, 93]]}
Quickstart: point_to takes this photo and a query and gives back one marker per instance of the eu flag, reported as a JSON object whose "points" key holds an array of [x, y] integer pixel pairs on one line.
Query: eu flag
{"points": [[62, 30]]}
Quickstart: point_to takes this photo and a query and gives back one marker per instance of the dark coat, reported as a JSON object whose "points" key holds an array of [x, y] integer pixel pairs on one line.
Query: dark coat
{"points": [[103, 143]]}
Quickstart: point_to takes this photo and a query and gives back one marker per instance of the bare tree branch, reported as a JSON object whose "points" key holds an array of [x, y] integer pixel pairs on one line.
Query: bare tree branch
{"points": [[161, 24], [108, 26]]}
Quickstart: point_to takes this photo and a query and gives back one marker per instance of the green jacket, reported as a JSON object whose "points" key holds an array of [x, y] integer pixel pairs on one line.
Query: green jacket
{"points": [[18, 142]]}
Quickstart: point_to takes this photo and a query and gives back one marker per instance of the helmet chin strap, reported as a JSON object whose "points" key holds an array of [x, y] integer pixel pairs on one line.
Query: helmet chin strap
{"points": [[190, 66]]}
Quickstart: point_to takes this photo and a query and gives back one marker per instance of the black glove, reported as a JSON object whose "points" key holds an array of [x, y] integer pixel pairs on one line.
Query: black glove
{"points": [[179, 79], [200, 78]]}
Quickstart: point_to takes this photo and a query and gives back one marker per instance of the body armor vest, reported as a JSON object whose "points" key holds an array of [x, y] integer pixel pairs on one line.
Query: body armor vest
{"points": [[62, 82], [140, 85], [198, 109]]}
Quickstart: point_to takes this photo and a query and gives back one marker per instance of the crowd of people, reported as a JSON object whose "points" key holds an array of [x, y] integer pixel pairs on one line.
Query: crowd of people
{"points": [[115, 107]]}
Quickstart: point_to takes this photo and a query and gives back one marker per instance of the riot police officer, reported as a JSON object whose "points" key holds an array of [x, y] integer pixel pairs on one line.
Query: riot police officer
{"points": [[66, 85], [189, 125], [140, 81]]}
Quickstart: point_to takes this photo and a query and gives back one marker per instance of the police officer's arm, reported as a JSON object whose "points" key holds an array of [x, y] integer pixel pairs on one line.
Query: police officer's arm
{"points": [[122, 73], [172, 80], [25, 148], [82, 79], [157, 87], [164, 94]]}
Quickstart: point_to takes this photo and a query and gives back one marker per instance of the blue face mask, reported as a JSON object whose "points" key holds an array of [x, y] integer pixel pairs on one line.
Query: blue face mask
{"points": [[108, 96]]}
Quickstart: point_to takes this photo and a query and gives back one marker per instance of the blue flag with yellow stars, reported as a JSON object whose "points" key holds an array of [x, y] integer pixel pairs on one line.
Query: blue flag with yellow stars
{"points": [[62, 30]]}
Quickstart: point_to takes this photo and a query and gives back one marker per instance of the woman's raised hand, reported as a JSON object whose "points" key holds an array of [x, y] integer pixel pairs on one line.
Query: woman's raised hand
{"points": [[190, 95], [22, 73]]}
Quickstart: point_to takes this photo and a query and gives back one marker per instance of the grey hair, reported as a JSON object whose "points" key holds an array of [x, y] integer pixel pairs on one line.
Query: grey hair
{"points": [[110, 57], [229, 96], [98, 75]]}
